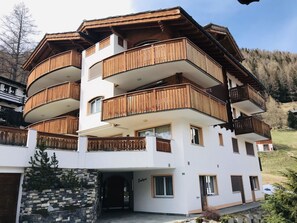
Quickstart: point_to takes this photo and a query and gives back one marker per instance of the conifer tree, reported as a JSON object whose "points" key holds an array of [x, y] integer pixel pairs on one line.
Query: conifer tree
{"points": [[43, 172], [281, 207]]}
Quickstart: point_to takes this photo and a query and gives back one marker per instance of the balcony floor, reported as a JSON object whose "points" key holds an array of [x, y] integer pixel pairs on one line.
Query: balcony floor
{"points": [[50, 110], [254, 137], [248, 107], [141, 76], [71, 74]]}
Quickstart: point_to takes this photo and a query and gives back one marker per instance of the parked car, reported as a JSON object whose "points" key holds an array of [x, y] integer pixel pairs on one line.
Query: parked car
{"points": [[268, 189]]}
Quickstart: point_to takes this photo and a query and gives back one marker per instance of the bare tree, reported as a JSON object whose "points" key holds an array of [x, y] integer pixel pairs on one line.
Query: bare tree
{"points": [[17, 28]]}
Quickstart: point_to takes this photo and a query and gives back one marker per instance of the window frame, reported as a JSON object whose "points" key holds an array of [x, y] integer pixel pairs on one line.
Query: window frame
{"points": [[154, 131], [214, 183], [233, 139], [221, 139], [249, 147], [200, 135], [95, 101], [165, 195], [255, 182]]}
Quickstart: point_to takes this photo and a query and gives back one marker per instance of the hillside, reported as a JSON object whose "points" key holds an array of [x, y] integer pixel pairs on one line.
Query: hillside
{"points": [[275, 162], [276, 70]]}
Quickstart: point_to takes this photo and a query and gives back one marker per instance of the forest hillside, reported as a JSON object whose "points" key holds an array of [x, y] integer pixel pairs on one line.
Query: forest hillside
{"points": [[276, 70]]}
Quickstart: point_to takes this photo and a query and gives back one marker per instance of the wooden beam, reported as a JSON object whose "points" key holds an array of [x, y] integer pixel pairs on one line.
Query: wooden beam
{"points": [[117, 32]]}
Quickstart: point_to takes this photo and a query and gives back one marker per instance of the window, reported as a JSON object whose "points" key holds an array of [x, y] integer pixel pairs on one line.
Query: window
{"points": [[221, 142], [254, 183], [236, 182], [95, 105], [249, 149], [235, 145], [266, 147], [6, 88], [196, 135], [163, 132], [12, 90], [120, 41], [95, 71], [163, 186], [211, 185]]}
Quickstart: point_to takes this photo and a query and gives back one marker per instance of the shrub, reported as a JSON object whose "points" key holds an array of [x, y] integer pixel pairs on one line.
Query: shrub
{"points": [[211, 215]]}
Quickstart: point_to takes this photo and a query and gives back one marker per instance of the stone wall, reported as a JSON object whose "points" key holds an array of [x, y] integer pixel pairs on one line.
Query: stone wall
{"points": [[63, 205]]}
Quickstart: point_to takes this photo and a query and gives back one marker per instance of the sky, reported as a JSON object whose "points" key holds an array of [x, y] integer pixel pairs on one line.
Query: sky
{"points": [[267, 25]]}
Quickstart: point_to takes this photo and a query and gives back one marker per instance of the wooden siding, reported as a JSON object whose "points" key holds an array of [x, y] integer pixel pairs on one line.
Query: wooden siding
{"points": [[13, 136], [163, 145], [51, 94], [162, 52], [91, 50], [251, 124], [57, 141], [181, 96], [104, 43], [59, 125], [58, 61], [116, 144], [246, 92]]}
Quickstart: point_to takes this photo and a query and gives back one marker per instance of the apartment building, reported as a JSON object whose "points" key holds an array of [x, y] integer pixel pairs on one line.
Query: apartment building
{"points": [[161, 105]]}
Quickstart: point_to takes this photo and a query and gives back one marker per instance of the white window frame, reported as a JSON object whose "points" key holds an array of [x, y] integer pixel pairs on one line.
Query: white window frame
{"points": [[165, 195], [211, 185], [97, 103], [200, 135]]}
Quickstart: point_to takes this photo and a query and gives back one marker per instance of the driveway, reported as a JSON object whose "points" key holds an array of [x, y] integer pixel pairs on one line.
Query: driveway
{"points": [[132, 217]]}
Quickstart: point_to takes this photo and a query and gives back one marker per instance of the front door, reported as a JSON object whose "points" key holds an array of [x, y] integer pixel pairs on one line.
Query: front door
{"points": [[9, 190], [203, 192], [114, 192]]}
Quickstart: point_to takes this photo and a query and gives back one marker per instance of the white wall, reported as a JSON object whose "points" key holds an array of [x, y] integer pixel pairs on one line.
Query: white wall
{"points": [[96, 87]]}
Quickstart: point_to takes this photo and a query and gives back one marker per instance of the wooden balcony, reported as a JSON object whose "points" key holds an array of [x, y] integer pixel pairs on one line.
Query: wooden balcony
{"points": [[194, 102], [59, 125], [143, 65], [247, 99], [56, 69], [57, 141], [252, 128], [13, 136], [52, 102], [126, 144]]}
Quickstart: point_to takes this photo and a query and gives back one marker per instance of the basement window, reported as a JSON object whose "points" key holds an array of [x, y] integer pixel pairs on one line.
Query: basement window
{"points": [[163, 186]]}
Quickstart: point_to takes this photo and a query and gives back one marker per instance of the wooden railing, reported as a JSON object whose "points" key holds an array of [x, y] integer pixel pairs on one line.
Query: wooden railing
{"points": [[58, 61], [116, 144], [162, 52], [102, 44], [13, 136], [246, 92], [251, 124], [57, 141], [59, 125], [51, 94], [163, 145], [172, 97]]}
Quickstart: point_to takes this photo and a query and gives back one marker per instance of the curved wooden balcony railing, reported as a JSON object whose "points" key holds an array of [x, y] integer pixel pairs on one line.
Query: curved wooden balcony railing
{"points": [[250, 124], [116, 144], [163, 145], [246, 92], [162, 52], [54, 93], [182, 96], [13, 136], [58, 61], [59, 125], [57, 141]]}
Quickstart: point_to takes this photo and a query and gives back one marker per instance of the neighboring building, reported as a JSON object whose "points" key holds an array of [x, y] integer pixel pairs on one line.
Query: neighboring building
{"points": [[12, 98], [162, 107], [265, 146]]}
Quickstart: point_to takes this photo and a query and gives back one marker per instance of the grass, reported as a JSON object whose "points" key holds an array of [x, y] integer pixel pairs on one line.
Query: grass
{"points": [[276, 162]]}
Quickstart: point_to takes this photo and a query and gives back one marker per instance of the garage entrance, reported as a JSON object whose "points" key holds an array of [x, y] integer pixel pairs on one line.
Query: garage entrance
{"points": [[9, 191]]}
